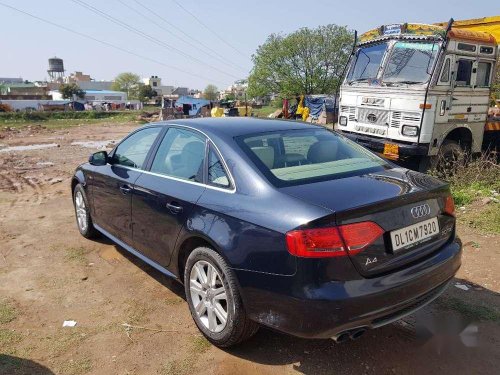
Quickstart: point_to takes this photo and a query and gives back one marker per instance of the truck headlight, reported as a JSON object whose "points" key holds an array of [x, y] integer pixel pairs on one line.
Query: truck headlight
{"points": [[410, 131], [343, 120]]}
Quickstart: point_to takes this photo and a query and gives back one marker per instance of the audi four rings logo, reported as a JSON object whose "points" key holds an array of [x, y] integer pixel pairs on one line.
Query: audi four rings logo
{"points": [[371, 117], [420, 211]]}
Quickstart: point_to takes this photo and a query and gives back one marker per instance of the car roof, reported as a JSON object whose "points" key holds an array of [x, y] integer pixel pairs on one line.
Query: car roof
{"points": [[236, 126]]}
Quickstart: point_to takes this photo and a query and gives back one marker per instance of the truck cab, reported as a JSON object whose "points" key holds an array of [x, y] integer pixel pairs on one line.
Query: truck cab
{"points": [[418, 91]]}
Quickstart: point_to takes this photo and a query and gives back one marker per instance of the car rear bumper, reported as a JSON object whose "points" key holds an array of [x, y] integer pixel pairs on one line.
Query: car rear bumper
{"points": [[324, 310]]}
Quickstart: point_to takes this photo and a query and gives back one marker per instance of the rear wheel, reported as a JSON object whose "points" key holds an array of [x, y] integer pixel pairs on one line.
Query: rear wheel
{"points": [[214, 300], [82, 212]]}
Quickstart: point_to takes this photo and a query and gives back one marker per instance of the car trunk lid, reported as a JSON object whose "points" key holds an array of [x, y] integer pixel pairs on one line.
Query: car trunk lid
{"points": [[400, 201]]}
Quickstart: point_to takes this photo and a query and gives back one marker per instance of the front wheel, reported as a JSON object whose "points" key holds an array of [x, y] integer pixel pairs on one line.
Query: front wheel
{"points": [[214, 299]]}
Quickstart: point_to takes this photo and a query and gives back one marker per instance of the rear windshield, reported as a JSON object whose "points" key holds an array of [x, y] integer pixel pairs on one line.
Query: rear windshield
{"points": [[295, 157]]}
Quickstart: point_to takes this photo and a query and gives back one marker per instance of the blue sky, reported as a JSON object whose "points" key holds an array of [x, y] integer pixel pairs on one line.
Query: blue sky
{"points": [[27, 43]]}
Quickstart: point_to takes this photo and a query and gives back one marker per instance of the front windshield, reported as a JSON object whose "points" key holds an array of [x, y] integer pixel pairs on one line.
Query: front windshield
{"points": [[410, 62], [366, 63]]}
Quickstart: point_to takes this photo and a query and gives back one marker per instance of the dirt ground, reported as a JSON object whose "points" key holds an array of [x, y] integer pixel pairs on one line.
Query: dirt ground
{"points": [[49, 274]]}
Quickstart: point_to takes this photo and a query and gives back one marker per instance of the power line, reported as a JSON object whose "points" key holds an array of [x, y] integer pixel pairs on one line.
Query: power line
{"points": [[209, 29], [148, 37], [107, 44], [200, 44]]}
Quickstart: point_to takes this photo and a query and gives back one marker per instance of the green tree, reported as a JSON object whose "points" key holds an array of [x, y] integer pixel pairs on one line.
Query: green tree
{"points": [[307, 61], [210, 92], [129, 83], [146, 92], [67, 91]]}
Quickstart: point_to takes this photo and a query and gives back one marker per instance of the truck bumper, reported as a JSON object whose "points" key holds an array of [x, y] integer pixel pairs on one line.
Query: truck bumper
{"points": [[377, 145]]}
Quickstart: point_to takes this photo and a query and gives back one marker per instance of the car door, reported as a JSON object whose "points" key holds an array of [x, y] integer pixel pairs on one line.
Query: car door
{"points": [[164, 196], [112, 184]]}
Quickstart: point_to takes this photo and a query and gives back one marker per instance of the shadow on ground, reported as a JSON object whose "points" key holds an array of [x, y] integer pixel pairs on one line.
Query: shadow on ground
{"points": [[396, 348], [10, 365]]}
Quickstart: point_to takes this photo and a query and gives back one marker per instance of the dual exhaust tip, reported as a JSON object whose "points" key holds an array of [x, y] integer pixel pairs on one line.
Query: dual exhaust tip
{"points": [[352, 334]]}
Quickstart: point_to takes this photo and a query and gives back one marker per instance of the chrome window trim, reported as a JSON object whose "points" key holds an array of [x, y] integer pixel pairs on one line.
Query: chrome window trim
{"points": [[230, 190]]}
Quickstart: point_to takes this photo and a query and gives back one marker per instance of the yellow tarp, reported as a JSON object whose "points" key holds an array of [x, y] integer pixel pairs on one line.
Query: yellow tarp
{"points": [[486, 24], [243, 110], [217, 112]]}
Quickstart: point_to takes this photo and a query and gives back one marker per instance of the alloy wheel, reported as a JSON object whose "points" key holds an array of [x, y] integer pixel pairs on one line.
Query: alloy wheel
{"points": [[81, 211], [208, 295]]}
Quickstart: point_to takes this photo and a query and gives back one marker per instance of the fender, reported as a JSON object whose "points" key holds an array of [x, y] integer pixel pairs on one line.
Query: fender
{"points": [[444, 135], [78, 178]]}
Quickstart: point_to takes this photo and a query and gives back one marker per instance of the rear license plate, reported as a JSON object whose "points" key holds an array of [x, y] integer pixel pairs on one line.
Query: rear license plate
{"points": [[414, 234]]}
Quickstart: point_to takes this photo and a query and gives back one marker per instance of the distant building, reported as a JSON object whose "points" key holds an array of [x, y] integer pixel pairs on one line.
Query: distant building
{"points": [[5, 81], [85, 82], [181, 91], [98, 96], [77, 77], [23, 91], [155, 83], [238, 89]]}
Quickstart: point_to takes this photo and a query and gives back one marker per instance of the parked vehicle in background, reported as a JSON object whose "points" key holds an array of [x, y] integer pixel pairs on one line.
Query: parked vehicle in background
{"points": [[274, 223], [420, 91]]}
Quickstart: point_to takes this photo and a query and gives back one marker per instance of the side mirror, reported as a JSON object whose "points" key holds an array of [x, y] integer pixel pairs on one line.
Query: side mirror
{"points": [[99, 158]]}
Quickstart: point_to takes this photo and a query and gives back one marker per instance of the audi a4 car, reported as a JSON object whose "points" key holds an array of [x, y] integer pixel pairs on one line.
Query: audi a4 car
{"points": [[273, 223]]}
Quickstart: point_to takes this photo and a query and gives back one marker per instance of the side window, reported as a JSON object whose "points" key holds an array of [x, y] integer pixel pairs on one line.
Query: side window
{"points": [[181, 154], [132, 151], [445, 74], [464, 71], [216, 173], [483, 74]]}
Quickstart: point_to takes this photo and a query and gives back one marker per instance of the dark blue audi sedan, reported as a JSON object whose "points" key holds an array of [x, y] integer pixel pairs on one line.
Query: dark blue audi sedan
{"points": [[275, 223]]}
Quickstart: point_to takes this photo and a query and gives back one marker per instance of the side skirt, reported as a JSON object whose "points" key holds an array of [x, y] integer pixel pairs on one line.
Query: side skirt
{"points": [[136, 253]]}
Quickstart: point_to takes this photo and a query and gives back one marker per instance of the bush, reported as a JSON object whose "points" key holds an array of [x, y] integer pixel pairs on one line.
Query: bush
{"points": [[45, 116], [471, 178]]}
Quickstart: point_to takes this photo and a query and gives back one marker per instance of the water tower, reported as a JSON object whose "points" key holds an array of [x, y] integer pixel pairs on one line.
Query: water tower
{"points": [[56, 69]]}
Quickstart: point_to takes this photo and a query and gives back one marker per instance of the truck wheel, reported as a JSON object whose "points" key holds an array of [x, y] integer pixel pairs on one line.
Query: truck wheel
{"points": [[450, 157]]}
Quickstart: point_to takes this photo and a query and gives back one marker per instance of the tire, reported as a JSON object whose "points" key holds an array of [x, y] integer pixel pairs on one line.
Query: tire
{"points": [[450, 157], [209, 299], [82, 213]]}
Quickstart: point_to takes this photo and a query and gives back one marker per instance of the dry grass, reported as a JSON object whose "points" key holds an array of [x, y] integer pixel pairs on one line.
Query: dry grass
{"points": [[7, 312]]}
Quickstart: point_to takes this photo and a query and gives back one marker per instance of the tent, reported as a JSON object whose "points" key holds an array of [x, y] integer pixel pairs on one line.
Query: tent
{"points": [[191, 106], [319, 103]]}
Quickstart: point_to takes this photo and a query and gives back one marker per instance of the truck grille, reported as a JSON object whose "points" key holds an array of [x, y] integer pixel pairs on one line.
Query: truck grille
{"points": [[373, 116], [349, 111], [401, 118]]}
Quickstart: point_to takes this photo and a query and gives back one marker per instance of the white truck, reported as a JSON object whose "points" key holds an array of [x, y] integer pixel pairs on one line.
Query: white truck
{"points": [[419, 91]]}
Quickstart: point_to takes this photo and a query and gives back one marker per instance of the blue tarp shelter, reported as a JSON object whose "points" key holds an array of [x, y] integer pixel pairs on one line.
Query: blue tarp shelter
{"points": [[318, 104], [191, 104]]}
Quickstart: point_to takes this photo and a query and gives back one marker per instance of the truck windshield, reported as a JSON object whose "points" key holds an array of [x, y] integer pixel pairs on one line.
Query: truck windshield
{"points": [[410, 63], [366, 63]]}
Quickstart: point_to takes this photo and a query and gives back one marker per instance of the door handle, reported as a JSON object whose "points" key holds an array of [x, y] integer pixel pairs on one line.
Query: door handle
{"points": [[125, 189], [174, 208]]}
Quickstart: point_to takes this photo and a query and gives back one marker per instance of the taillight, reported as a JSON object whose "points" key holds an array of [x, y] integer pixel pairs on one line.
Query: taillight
{"points": [[449, 206], [332, 241], [357, 236]]}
